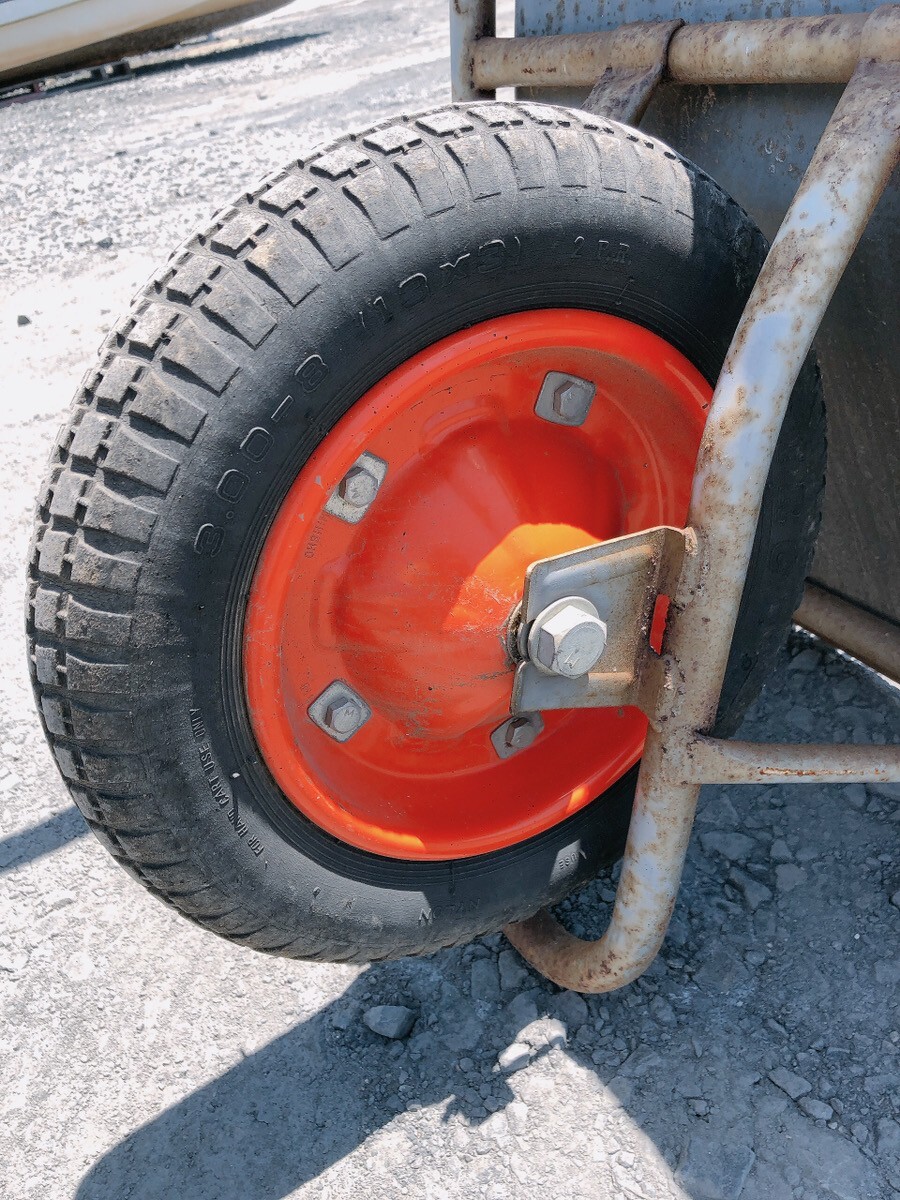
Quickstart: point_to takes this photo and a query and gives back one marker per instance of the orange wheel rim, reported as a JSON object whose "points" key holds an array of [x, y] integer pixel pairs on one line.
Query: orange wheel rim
{"points": [[407, 608]]}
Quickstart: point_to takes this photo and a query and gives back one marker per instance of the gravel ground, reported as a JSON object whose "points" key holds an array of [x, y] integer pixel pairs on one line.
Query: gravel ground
{"points": [[144, 1059]]}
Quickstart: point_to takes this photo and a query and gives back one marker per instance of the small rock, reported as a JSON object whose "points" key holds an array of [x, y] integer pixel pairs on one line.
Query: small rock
{"points": [[571, 1009], [485, 980], [895, 899], [639, 1062], [815, 1108], [754, 893], [888, 1139], [718, 811], [513, 975], [856, 794], [21, 319], [699, 1108], [689, 1086], [801, 718], [622, 1089], [794, 1085], [545, 1032], [780, 852], [788, 876], [105, 243], [860, 1133], [831, 1165], [888, 971], [807, 660], [390, 1020], [733, 846], [661, 1010], [514, 1058], [776, 1027], [517, 1115], [721, 971], [342, 1018], [714, 1168], [522, 1010]]}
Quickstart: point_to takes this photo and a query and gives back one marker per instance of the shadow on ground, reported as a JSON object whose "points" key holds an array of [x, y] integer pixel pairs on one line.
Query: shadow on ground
{"points": [[33, 843]]}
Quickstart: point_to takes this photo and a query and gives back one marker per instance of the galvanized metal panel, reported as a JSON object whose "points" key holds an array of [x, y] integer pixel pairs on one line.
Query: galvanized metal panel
{"points": [[757, 142]]}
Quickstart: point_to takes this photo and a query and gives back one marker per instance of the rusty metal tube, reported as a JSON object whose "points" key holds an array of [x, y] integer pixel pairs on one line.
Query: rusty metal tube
{"points": [[871, 639], [789, 50], [712, 760], [822, 49], [846, 177]]}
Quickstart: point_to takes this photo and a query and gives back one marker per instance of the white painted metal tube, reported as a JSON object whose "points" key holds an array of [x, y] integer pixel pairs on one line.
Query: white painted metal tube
{"points": [[716, 760], [821, 49]]}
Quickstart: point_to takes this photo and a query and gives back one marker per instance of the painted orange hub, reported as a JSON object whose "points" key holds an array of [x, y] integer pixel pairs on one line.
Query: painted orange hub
{"points": [[409, 605]]}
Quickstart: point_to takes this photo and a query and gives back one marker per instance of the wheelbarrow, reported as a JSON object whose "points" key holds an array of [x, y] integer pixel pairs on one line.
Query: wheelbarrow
{"points": [[437, 510]]}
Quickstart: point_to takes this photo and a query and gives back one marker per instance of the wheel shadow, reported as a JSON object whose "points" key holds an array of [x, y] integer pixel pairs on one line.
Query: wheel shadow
{"points": [[304, 1101], [33, 843]]}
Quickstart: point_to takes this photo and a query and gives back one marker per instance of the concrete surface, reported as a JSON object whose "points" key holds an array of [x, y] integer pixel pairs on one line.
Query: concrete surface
{"points": [[143, 1060]]}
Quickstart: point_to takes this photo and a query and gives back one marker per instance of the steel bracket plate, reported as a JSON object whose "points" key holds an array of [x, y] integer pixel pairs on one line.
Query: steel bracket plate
{"points": [[623, 579]]}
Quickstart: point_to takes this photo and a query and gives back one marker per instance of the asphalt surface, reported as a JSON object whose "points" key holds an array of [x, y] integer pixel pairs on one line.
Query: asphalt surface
{"points": [[143, 1059]]}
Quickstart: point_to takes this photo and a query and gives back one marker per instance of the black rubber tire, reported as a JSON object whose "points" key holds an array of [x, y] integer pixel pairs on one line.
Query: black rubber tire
{"points": [[278, 316]]}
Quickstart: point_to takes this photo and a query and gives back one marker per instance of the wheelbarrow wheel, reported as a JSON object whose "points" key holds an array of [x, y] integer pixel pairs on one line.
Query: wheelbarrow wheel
{"points": [[290, 516]]}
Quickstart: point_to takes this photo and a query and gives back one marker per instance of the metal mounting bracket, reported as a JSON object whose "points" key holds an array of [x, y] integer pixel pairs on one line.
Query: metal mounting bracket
{"points": [[623, 93], [623, 579]]}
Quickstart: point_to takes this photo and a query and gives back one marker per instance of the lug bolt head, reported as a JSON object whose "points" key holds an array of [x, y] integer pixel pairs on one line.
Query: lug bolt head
{"points": [[567, 638], [343, 715], [571, 399], [565, 399], [339, 711], [358, 487], [516, 734], [520, 733]]}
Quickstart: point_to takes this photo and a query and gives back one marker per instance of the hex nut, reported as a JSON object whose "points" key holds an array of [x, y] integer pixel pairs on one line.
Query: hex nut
{"points": [[339, 711], [568, 639], [565, 399], [343, 715], [516, 734], [358, 487], [571, 398], [520, 733]]}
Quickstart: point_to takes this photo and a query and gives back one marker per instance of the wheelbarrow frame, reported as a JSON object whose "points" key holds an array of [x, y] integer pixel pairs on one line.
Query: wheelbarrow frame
{"points": [[679, 689]]}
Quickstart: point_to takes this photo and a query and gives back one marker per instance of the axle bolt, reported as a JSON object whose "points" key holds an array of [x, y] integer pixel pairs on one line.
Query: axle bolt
{"points": [[358, 487], [567, 638]]}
